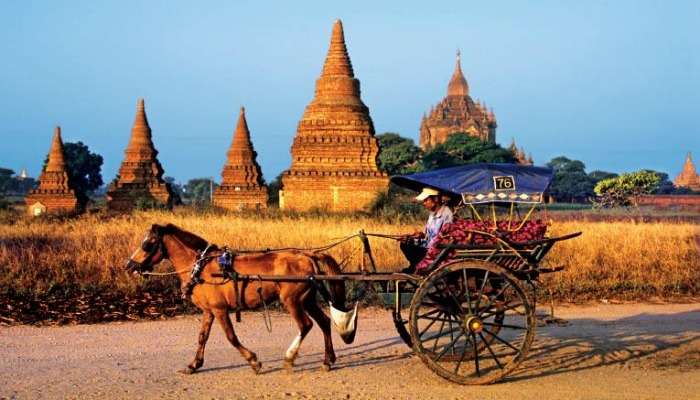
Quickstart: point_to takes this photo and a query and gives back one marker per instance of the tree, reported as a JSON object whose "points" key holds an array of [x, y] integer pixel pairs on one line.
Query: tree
{"points": [[198, 190], [273, 190], [665, 185], [598, 175], [83, 167], [6, 180], [570, 183], [397, 155], [460, 149], [177, 189], [626, 188]]}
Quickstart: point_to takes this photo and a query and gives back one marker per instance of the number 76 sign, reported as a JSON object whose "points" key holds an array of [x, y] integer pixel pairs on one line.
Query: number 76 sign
{"points": [[503, 183]]}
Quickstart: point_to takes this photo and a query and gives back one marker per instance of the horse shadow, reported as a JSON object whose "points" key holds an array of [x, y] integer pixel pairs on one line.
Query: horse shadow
{"points": [[310, 361]]}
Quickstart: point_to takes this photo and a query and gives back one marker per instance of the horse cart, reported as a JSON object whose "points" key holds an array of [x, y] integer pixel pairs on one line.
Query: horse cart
{"points": [[471, 317]]}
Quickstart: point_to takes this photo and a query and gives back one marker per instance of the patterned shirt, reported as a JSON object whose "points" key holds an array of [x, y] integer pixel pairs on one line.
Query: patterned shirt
{"points": [[436, 220]]}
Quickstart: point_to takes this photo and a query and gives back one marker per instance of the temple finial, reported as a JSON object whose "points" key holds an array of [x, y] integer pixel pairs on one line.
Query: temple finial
{"points": [[458, 84]]}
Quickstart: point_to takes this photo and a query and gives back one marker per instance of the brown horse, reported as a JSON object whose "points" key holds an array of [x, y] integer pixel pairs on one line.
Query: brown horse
{"points": [[216, 297]]}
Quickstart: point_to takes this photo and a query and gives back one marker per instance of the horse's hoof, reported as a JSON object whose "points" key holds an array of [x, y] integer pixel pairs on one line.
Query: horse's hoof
{"points": [[326, 367], [288, 366], [187, 371], [256, 365]]}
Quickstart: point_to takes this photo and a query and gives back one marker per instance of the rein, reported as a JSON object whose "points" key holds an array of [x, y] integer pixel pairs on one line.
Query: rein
{"points": [[277, 250]]}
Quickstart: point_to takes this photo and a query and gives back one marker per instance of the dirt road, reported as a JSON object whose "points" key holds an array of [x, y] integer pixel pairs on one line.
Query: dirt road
{"points": [[633, 351]]}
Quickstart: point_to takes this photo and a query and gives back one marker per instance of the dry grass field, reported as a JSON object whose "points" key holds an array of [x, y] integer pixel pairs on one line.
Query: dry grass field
{"points": [[64, 258]]}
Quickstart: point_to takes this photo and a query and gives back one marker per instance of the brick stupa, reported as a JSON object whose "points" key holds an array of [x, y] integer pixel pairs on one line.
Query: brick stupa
{"points": [[241, 184], [334, 155], [457, 113], [54, 194], [688, 177], [140, 176]]}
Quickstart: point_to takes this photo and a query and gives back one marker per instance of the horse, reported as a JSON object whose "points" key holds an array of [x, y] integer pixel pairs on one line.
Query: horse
{"points": [[216, 296]]}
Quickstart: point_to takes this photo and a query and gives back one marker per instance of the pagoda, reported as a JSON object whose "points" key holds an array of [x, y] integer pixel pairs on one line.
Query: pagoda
{"points": [[54, 195], [519, 154], [457, 113], [688, 177], [241, 184], [334, 154], [140, 176]]}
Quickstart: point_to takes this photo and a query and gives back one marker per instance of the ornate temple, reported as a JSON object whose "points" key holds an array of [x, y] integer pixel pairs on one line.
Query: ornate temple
{"points": [[519, 154], [140, 176], [457, 113], [688, 177], [334, 154], [241, 184], [54, 194]]}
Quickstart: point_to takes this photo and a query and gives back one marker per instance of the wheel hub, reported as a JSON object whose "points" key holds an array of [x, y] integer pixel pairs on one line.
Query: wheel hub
{"points": [[474, 324]]}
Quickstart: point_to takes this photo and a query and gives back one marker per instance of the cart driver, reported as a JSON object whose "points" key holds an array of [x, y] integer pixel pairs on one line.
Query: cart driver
{"points": [[415, 245]]}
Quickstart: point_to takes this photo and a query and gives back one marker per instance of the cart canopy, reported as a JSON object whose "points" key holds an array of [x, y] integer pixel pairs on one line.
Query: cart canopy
{"points": [[485, 182]]}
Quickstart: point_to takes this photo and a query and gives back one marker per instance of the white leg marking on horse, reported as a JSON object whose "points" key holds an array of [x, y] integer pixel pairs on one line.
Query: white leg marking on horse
{"points": [[293, 348]]}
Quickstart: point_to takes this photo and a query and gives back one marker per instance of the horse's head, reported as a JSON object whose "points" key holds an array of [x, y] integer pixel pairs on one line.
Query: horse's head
{"points": [[151, 251]]}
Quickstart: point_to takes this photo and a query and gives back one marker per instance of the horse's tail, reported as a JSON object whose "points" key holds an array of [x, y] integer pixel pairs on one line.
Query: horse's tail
{"points": [[328, 266], [345, 321]]}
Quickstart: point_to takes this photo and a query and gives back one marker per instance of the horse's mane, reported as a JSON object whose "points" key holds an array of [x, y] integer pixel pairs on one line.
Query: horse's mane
{"points": [[189, 239]]}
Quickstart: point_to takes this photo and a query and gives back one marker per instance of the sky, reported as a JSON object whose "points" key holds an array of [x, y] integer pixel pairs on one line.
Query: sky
{"points": [[615, 84]]}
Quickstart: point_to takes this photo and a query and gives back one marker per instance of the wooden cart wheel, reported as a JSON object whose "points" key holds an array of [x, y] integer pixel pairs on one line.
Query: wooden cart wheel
{"points": [[471, 322]]}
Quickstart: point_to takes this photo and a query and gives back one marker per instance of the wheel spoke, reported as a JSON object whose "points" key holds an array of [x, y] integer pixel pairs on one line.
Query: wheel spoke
{"points": [[449, 345], [449, 318], [488, 346], [503, 310], [438, 335], [501, 340], [500, 292], [437, 338], [466, 291], [476, 355], [426, 328], [461, 358], [438, 318], [431, 312], [481, 290], [454, 298], [505, 325]]}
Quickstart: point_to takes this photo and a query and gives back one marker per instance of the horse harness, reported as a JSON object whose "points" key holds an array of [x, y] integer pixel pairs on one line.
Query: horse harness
{"points": [[225, 257]]}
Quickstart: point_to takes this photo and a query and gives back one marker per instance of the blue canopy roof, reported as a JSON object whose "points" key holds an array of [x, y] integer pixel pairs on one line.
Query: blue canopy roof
{"points": [[484, 183]]}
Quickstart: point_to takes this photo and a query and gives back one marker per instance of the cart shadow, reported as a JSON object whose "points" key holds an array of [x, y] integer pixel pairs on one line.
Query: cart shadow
{"points": [[589, 343], [585, 344]]}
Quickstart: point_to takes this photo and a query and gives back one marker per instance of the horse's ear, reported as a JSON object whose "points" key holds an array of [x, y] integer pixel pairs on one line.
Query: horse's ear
{"points": [[155, 228]]}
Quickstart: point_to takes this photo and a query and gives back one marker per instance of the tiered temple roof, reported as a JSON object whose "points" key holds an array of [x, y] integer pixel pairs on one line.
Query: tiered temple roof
{"points": [[241, 185], [334, 154], [688, 177], [140, 176], [457, 113], [54, 194], [519, 154]]}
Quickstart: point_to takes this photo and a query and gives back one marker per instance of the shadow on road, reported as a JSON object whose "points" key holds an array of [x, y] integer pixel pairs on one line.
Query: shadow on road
{"points": [[644, 340]]}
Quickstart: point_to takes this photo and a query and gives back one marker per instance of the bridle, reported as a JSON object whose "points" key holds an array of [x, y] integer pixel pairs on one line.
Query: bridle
{"points": [[151, 248]]}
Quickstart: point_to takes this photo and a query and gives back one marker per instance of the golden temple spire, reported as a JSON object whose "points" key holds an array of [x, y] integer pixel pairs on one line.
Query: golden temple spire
{"points": [[241, 179], [689, 170], [141, 131], [458, 84], [688, 177], [337, 60], [242, 135], [57, 161]]}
